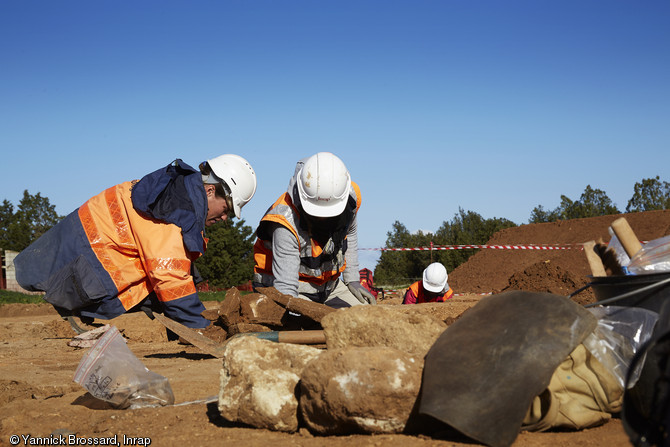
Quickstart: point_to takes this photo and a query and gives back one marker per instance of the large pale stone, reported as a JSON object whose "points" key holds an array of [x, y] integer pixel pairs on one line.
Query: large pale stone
{"points": [[447, 311], [407, 330], [259, 380], [360, 390]]}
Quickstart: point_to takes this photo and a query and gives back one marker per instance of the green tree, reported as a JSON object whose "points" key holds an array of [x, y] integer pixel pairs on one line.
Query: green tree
{"points": [[565, 209], [466, 228], [540, 215], [398, 266], [34, 217], [593, 202], [229, 259], [650, 194], [404, 267], [6, 219]]}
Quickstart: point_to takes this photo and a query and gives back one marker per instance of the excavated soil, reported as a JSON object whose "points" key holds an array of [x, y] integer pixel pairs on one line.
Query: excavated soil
{"points": [[39, 398], [562, 270]]}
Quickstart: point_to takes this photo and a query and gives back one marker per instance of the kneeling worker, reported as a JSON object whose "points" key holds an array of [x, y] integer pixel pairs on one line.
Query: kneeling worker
{"points": [[134, 244], [307, 243], [432, 289]]}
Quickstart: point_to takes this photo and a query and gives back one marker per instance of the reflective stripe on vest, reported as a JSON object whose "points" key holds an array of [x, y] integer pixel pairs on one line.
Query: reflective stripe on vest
{"points": [[107, 220]]}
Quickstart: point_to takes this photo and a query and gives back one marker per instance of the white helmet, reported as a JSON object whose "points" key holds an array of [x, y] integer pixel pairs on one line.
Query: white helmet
{"points": [[323, 185], [239, 178], [435, 278]]}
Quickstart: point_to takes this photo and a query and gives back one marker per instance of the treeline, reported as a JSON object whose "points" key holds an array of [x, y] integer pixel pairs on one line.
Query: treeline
{"points": [[33, 217], [228, 260], [469, 228], [648, 195], [404, 267]]}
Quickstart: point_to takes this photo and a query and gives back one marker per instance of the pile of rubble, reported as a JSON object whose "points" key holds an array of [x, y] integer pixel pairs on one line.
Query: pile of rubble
{"points": [[367, 372], [366, 381], [263, 312]]}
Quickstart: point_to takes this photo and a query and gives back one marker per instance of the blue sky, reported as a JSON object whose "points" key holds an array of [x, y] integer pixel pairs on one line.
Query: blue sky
{"points": [[491, 106]]}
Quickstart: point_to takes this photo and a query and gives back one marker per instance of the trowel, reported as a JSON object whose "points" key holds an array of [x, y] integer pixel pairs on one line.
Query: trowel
{"points": [[209, 346], [205, 344]]}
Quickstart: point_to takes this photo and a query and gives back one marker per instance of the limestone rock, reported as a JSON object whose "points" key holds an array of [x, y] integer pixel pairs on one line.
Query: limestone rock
{"points": [[310, 309], [215, 332], [229, 311], [211, 314], [259, 380], [406, 330], [447, 311], [258, 308], [360, 390]]}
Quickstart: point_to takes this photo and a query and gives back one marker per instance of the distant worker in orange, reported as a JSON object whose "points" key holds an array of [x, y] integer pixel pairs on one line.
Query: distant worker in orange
{"points": [[432, 289]]}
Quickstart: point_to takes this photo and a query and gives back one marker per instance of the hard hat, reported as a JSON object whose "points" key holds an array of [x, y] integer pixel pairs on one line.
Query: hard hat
{"points": [[238, 176], [435, 278], [323, 185]]}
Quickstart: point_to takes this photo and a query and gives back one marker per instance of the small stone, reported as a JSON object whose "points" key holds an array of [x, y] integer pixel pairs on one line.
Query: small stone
{"points": [[258, 308]]}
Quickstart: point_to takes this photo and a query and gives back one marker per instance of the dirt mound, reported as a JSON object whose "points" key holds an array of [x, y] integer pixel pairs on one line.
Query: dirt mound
{"points": [[546, 277], [21, 310], [560, 271]]}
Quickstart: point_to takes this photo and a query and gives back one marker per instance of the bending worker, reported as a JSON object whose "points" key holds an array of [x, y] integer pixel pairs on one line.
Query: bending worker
{"points": [[307, 243], [432, 289], [136, 242]]}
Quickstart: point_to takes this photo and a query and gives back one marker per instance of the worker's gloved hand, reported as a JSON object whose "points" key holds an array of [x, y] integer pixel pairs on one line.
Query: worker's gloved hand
{"points": [[361, 293]]}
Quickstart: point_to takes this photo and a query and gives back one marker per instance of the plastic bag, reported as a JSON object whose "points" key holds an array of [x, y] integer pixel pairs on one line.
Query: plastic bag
{"points": [[111, 372], [654, 256], [620, 333]]}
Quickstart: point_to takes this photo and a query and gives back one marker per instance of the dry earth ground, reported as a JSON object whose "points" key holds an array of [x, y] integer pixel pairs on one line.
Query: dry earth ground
{"points": [[39, 398]]}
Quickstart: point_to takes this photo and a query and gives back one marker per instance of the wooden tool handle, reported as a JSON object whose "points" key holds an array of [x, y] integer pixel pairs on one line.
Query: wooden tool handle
{"points": [[626, 236], [596, 264], [302, 337]]}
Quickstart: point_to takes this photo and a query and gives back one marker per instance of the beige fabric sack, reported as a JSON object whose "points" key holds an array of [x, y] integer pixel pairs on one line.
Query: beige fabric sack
{"points": [[581, 394]]}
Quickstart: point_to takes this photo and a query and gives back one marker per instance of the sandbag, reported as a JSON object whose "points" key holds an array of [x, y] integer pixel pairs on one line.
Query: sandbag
{"points": [[581, 394]]}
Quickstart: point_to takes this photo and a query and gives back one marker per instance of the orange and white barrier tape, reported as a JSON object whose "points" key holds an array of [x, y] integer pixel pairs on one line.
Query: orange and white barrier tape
{"points": [[494, 247], [473, 246]]}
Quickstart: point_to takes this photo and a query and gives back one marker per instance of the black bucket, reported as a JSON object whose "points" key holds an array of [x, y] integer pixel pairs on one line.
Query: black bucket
{"points": [[605, 287]]}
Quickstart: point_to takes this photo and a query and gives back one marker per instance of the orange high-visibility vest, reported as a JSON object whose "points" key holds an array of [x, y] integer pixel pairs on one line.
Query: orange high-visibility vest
{"points": [[420, 294], [141, 255], [316, 267], [122, 245]]}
